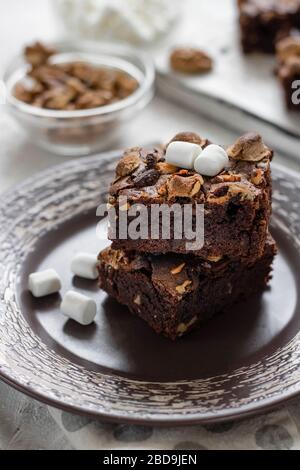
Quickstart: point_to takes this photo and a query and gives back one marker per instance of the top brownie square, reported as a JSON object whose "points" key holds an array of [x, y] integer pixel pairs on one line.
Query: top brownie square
{"points": [[237, 202], [263, 22]]}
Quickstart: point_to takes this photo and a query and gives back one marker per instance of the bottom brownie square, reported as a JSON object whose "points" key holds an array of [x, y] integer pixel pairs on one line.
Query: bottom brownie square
{"points": [[174, 293]]}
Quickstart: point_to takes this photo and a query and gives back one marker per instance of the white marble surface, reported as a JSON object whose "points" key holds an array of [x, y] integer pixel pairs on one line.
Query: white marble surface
{"points": [[24, 423]]}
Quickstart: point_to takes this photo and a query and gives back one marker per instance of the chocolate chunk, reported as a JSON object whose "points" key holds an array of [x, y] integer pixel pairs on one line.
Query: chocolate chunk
{"points": [[147, 178]]}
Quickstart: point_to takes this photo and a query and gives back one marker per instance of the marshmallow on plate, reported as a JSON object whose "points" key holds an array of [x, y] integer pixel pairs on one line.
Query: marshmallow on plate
{"points": [[212, 160], [182, 154], [85, 265], [79, 307], [44, 283]]}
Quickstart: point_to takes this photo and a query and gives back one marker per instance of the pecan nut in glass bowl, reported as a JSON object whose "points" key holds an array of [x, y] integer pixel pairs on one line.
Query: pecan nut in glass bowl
{"points": [[75, 99]]}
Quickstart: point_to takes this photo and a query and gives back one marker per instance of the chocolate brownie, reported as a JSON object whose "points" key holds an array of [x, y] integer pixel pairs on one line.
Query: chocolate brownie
{"points": [[263, 22], [237, 202], [288, 70], [175, 293]]}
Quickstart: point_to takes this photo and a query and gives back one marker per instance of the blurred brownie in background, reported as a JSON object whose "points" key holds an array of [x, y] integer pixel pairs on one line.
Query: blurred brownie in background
{"points": [[263, 22], [288, 70]]}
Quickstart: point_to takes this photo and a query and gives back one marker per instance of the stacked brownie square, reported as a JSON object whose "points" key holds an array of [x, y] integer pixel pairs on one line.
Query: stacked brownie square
{"points": [[174, 289]]}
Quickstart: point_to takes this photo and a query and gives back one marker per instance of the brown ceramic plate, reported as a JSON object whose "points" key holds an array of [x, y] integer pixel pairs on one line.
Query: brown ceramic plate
{"points": [[241, 362]]}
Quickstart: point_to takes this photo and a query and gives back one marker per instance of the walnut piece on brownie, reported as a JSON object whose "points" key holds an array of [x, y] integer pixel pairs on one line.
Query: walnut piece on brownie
{"points": [[263, 22], [237, 201], [176, 293], [249, 147], [190, 60]]}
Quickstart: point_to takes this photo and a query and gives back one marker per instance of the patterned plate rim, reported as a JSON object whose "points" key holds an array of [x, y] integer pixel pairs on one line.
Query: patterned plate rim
{"points": [[37, 206]]}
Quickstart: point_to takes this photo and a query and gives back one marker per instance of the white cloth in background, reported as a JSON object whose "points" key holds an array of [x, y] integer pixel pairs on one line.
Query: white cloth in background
{"points": [[134, 21]]}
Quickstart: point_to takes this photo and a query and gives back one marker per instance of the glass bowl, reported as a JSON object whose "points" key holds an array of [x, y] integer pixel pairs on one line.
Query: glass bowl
{"points": [[81, 132]]}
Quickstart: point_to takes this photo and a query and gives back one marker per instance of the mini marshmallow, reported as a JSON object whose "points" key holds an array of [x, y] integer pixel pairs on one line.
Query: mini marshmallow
{"points": [[44, 283], [85, 265], [182, 154], [79, 307], [212, 161]]}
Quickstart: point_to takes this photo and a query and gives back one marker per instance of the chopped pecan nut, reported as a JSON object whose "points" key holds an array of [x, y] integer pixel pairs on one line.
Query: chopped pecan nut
{"points": [[177, 269], [191, 137], [57, 98], [183, 172], [190, 60], [183, 327], [181, 186], [128, 164], [257, 176], [162, 190], [125, 85], [51, 76], [242, 190], [166, 168], [137, 300], [111, 200], [231, 178], [22, 93], [214, 259], [78, 86], [249, 147], [222, 192], [124, 207], [93, 99], [84, 72], [182, 288], [114, 258]]}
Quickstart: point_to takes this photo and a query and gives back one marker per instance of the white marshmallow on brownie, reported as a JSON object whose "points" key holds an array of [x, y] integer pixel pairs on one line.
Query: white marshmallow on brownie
{"points": [[182, 154], [212, 160], [44, 283], [85, 265], [79, 307]]}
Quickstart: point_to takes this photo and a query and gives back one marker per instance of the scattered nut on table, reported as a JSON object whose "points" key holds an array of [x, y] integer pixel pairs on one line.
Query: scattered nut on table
{"points": [[190, 60]]}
